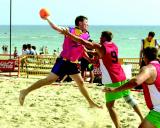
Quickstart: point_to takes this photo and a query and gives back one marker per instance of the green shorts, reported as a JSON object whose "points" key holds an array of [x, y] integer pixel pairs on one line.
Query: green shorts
{"points": [[154, 118], [116, 95]]}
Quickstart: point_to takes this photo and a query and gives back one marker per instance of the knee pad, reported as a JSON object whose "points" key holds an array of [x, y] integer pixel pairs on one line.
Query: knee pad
{"points": [[130, 100]]}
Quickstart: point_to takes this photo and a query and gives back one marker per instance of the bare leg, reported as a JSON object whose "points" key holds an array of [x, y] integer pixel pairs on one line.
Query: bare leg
{"points": [[137, 110], [92, 77], [130, 100], [113, 114], [46, 81], [79, 81], [146, 124], [63, 79], [83, 73]]}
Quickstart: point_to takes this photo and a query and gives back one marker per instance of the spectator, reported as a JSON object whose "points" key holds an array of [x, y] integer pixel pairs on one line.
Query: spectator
{"points": [[34, 50], [15, 54]]}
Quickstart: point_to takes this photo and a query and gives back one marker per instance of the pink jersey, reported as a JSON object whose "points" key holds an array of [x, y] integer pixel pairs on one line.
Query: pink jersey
{"points": [[72, 50], [152, 92], [111, 69]]}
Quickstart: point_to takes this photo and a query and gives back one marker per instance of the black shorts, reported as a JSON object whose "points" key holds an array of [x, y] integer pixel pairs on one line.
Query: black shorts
{"points": [[65, 67], [85, 65]]}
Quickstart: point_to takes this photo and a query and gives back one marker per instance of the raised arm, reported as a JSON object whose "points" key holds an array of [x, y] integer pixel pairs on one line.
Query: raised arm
{"points": [[54, 26], [44, 14]]}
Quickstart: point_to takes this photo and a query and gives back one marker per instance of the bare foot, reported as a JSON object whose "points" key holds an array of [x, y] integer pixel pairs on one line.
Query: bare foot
{"points": [[95, 106], [22, 97]]}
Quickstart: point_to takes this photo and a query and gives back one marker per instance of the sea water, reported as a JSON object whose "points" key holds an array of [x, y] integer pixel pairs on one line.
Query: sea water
{"points": [[127, 38]]}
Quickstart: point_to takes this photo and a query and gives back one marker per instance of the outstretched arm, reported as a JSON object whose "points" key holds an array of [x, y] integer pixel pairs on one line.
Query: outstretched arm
{"points": [[139, 79], [54, 26], [91, 45], [88, 44], [94, 53]]}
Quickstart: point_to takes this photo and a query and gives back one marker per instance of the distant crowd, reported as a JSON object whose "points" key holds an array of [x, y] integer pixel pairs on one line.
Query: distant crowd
{"points": [[28, 49]]}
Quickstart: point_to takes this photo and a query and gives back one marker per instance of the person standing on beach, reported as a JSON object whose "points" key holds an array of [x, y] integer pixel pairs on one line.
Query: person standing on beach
{"points": [[15, 53], [112, 72], [149, 77], [34, 50], [23, 56], [147, 42], [67, 63]]}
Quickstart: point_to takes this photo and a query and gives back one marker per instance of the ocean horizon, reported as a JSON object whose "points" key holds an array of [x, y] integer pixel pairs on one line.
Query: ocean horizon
{"points": [[127, 37]]}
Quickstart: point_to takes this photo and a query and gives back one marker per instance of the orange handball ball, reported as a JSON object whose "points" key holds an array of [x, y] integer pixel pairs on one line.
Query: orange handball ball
{"points": [[43, 13]]}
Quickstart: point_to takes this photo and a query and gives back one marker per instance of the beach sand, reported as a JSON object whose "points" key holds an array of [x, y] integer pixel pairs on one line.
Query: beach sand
{"points": [[57, 106]]}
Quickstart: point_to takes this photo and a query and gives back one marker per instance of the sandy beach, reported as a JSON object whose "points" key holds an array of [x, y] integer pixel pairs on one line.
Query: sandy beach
{"points": [[57, 106]]}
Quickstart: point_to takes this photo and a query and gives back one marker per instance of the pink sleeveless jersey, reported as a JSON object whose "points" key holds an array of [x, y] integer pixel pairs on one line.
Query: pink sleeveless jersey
{"points": [[152, 92], [111, 69], [72, 50]]}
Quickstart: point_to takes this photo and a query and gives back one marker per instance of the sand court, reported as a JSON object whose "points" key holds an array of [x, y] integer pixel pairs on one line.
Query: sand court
{"points": [[60, 107]]}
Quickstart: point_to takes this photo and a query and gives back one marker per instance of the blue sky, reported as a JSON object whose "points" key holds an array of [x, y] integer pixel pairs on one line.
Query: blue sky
{"points": [[99, 12]]}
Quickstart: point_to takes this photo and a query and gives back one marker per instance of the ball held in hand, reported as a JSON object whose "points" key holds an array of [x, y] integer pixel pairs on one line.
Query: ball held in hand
{"points": [[44, 13]]}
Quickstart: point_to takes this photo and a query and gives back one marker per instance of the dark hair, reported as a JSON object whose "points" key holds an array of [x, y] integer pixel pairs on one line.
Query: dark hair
{"points": [[34, 47], [24, 46], [150, 53], [152, 34], [108, 35], [29, 46], [80, 19]]}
